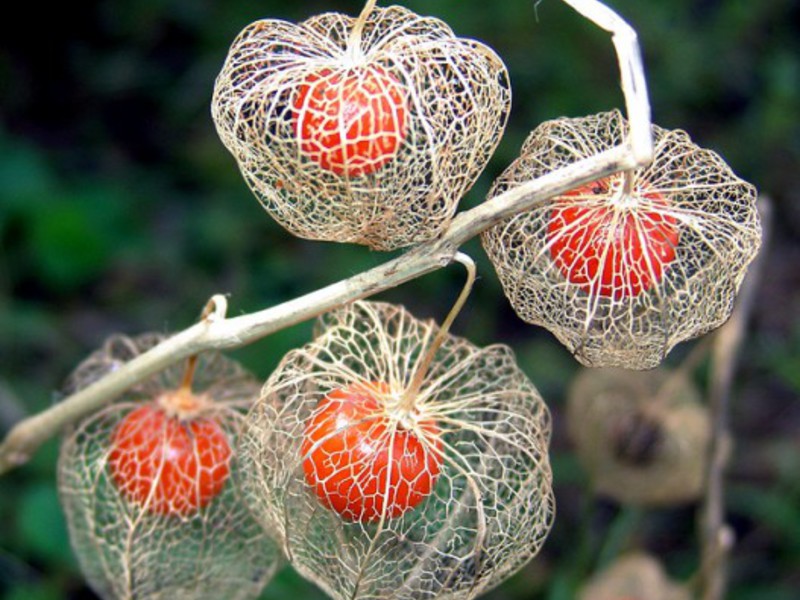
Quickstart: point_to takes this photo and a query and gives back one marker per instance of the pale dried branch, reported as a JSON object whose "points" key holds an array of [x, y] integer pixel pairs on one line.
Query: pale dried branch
{"points": [[218, 332], [631, 67]]}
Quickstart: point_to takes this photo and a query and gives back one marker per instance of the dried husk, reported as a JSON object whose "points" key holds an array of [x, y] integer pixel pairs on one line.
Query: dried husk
{"points": [[642, 436], [714, 214], [457, 102], [492, 504], [635, 576], [126, 550]]}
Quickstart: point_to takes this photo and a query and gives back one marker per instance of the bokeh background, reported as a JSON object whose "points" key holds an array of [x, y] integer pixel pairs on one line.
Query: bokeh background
{"points": [[120, 211]]}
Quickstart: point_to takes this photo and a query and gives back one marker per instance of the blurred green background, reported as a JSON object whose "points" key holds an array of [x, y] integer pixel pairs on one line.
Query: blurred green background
{"points": [[120, 211]]}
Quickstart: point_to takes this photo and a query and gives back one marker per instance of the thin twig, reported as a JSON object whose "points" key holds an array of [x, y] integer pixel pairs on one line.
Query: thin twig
{"points": [[631, 67], [215, 331], [421, 370], [354, 41], [716, 536]]}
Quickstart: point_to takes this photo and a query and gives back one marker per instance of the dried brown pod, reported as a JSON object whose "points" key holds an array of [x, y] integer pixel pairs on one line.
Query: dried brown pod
{"points": [[636, 576], [624, 268], [642, 436], [147, 484], [366, 131], [383, 482]]}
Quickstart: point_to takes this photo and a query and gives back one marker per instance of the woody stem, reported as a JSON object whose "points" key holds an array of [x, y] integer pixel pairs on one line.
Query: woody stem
{"points": [[627, 183], [716, 536], [188, 374], [216, 332]]}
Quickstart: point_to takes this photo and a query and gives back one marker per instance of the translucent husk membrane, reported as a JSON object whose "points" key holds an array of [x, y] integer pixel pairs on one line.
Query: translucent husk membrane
{"points": [[125, 548], [492, 504], [642, 436], [670, 274], [637, 577], [444, 101]]}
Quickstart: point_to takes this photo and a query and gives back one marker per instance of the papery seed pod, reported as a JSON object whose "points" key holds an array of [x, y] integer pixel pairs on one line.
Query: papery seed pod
{"points": [[380, 489], [634, 577], [642, 436], [624, 268], [147, 484], [369, 138]]}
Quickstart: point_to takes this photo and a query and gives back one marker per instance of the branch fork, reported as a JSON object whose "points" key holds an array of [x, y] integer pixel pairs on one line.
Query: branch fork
{"points": [[217, 331]]}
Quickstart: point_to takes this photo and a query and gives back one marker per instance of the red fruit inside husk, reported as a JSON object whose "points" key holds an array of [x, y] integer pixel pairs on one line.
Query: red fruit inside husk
{"points": [[611, 248], [350, 121], [168, 465], [362, 463]]}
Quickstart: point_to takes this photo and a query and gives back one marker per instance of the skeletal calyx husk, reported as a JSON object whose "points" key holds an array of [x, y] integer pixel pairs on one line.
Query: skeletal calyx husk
{"points": [[625, 267], [361, 131], [636, 576], [132, 538], [642, 436], [439, 488]]}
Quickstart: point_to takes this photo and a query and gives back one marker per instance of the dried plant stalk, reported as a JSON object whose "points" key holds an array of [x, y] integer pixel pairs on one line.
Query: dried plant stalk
{"points": [[221, 332], [642, 436], [369, 138], [492, 504], [129, 549], [622, 269]]}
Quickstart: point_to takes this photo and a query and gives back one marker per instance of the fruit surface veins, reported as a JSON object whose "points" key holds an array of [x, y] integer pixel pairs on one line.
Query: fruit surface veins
{"points": [[610, 243], [168, 465], [363, 463], [350, 121]]}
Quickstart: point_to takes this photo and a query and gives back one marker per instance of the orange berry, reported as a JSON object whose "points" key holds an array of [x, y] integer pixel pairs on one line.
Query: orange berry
{"points": [[350, 121], [362, 464], [168, 465], [611, 251]]}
